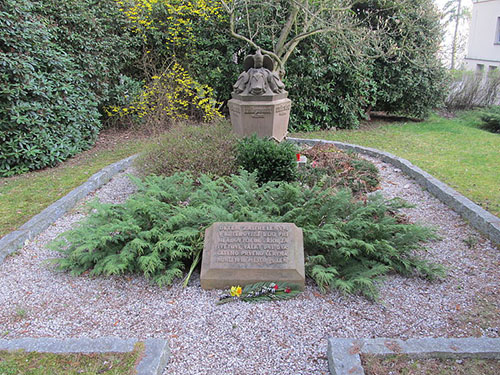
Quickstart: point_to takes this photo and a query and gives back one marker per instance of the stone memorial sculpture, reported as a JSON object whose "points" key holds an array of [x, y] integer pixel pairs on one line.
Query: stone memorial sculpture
{"points": [[258, 77], [259, 101]]}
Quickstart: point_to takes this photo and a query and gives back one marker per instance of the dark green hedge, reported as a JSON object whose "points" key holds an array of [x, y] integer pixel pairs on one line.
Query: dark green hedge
{"points": [[60, 62]]}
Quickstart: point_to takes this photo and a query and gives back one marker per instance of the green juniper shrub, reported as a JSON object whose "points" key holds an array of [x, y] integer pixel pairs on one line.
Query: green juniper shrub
{"points": [[330, 167], [207, 148], [273, 161], [491, 119], [159, 231]]}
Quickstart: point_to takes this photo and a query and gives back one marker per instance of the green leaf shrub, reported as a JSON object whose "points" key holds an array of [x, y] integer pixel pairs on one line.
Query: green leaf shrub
{"points": [[332, 80], [329, 87], [331, 167], [271, 160], [60, 62], [159, 231], [99, 39], [409, 78], [491, 119], [207, 148], [47, 109]]}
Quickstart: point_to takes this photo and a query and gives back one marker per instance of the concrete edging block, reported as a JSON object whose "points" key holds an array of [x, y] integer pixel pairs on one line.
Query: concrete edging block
{"points": [[344, 354], [154, 361], [38, 223], [477, 216]]}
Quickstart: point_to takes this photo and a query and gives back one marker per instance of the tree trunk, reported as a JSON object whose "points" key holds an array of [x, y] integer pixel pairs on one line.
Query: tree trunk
{"points": [[455, 35]]}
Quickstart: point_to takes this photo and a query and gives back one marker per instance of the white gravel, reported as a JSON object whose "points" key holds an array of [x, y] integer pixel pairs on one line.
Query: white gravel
{"points": [[284, 337]]}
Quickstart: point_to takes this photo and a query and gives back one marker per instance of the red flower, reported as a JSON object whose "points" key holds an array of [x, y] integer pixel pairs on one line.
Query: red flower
{"points": [[275, 286], [288, 290], [298, 157]]}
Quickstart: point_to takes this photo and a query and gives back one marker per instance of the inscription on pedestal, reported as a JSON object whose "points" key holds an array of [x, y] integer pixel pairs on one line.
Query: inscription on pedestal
{"points": [[258, 111], [283, 108], [243, 253]]}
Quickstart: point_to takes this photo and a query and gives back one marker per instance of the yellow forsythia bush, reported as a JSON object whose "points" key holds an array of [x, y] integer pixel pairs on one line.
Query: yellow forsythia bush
{"points": [[173, 94]]}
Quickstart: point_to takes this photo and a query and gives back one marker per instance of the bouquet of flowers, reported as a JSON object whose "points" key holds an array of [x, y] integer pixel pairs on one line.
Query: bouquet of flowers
{"points": [[260, 292]]}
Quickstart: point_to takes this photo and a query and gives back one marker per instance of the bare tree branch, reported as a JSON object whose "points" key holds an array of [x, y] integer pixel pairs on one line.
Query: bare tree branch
{"points": [[247, 40], [285, 32]]}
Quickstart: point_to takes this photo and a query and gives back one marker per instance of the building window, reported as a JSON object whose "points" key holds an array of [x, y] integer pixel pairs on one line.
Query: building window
{"points": [[497, 32], [492, 68], [479, 68]]}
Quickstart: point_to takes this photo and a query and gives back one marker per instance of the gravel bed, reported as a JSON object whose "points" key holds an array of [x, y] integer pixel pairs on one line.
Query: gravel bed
{"points": [[283, 337]]}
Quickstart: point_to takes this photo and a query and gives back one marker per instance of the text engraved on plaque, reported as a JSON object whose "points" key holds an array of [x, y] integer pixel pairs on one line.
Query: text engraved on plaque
{"points": [[253, 244], [234, 108], [283, 108], [257, 111]]}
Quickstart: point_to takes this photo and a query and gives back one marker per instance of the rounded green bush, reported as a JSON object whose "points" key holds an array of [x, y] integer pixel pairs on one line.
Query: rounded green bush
{"points": [[272, 161]]}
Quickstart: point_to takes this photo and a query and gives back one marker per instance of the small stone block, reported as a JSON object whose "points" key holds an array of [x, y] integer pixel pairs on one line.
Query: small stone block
{"points": [[246, 253]]}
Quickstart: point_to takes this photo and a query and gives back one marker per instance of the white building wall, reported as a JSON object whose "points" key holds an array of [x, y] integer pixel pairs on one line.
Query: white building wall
{"points": [[484, 36]]}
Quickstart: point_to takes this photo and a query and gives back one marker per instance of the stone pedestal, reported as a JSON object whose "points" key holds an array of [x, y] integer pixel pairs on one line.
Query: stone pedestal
{"points": [[246, 253], [266, 116]]}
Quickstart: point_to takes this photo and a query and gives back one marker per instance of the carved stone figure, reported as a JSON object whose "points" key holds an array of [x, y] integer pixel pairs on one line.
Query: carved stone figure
{"points": [[258, 77]]}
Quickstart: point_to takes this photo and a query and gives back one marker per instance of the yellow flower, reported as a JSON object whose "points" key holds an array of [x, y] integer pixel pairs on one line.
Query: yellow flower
{"points": [[236, 291]]}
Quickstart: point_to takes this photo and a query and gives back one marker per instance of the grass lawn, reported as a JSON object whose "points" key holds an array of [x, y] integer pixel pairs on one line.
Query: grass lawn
{"points": [[455, 151], [22, 197], [34, 363], [402, 364]]}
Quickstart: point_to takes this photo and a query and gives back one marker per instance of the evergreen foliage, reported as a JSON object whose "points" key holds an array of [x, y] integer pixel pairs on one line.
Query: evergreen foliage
{"points": [[330, 87], [491, 119], [160, 230], [47, 109], [272, 161], [410, 78], [60, 63], [334, 79], [100, 40]]}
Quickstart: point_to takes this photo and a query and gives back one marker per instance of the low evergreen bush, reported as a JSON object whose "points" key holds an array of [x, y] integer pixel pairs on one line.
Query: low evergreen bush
{"points": [[272, 161], [491, 119], [331, 167], [159, 231], [207, 148]]}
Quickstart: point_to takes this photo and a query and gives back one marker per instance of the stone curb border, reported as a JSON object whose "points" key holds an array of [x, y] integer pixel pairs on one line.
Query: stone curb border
{"points": [[478, 217], [154, 361], [344, 354], [38, 223]]}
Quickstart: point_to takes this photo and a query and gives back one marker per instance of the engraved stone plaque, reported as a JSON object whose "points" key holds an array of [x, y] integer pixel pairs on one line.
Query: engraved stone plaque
{"points": [[245, 253]]}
